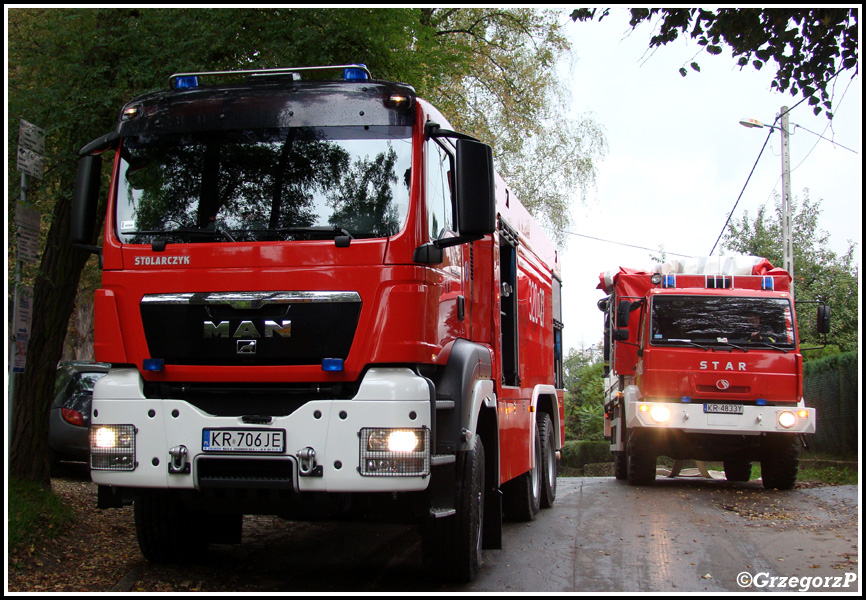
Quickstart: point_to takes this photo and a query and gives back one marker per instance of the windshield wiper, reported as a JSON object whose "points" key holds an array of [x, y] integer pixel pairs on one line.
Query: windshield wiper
{"points": [[341, 236], [726, 343], [185, 232], [315, 230], [769, 345], [686, 342]]}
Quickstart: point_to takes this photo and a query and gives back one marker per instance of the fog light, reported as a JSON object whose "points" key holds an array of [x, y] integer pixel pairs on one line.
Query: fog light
{"points": [[112, 447], [660, 414], [787, 419]]}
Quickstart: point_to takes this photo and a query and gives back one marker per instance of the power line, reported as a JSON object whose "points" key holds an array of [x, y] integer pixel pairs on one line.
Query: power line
{"points": [[731, 214], [598, 239], [825, 139]]}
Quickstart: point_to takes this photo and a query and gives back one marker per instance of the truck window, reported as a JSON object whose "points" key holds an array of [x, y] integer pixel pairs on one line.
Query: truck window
{"points": [[559, 382], [721, 319], [440, 206], [508, 241], [264, 185]]}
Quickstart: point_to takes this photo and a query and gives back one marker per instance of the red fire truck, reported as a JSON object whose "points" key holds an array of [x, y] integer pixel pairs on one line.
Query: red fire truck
{"points": [[318, 301], [702, 361]]}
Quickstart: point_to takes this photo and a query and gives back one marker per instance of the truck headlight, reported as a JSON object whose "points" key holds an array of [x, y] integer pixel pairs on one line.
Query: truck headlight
{"points": [[112, 447], [786, 419], [394, 452], [660, 414]]}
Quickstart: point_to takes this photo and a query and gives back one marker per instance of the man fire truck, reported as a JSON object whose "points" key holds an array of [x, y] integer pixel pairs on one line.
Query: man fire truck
{"points": [[702, 361], [317, 301]]}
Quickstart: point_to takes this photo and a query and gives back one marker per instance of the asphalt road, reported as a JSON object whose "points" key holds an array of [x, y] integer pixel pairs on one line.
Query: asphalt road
{"points": [[680, 535]]}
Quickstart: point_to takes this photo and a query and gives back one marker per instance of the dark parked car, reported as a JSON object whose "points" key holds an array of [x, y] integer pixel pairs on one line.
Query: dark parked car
{"points": [[69, 419]]}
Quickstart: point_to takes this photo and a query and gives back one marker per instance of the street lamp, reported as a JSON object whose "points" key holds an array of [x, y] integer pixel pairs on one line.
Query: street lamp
{"points": [[788, 241]]}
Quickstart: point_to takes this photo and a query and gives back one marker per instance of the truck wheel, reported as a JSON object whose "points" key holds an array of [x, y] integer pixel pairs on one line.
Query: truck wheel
{"points": [[522, 495], [620, 466], [452, 545], [167, 531], [737, 470], [641, 464], [780, 462], [549, 463]]}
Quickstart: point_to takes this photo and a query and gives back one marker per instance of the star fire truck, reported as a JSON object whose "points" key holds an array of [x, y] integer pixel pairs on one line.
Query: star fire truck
{"points": [[702, 362], [318, 301]]}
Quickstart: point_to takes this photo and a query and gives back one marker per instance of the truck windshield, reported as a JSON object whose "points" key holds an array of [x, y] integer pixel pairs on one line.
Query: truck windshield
{"points": [[264, 185], [739, 321]]}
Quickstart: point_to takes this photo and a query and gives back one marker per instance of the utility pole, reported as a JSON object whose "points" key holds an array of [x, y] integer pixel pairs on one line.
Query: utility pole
{"points": [[788, 253], [787, 235]]}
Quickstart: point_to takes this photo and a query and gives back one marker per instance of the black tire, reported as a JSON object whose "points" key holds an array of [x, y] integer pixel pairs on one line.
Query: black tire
{"points": [[549, 462], [620, 466], [641, 463], [452, 545], [522, 495], [780, 462], [167, 531], [738, 470]]}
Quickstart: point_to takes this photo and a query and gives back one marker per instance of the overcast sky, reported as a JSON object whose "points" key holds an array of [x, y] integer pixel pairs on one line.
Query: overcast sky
{"points": [[678, 158]]}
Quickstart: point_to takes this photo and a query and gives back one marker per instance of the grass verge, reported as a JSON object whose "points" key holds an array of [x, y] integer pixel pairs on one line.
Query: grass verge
{"points": [[34, 513]]}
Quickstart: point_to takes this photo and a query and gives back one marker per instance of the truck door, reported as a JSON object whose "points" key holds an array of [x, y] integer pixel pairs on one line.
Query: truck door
{"points": [[440, 223]]}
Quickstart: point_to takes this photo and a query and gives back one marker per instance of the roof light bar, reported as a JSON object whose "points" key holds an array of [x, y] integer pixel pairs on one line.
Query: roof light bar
{"points": [[359, 72]]}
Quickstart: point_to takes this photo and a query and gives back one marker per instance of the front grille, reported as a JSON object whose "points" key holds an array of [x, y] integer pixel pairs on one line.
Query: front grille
{"points": [[250, 328]]}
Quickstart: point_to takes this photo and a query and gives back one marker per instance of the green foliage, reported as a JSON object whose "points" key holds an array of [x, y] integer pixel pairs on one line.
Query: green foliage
{"points": [[836, 362], [819, 273], [810, 46], [34, 513], [577, 454], [584, 413], [496, 81]]}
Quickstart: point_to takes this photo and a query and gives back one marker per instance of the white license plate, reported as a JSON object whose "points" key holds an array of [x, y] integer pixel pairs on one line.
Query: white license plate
{"points": [[269, 441], [723, 409]]}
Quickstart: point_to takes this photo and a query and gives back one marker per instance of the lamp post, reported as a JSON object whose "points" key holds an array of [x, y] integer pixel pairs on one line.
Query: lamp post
{"points": [[788, 240]]}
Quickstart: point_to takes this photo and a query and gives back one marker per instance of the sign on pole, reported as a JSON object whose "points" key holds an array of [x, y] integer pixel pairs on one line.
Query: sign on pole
{"points": [[27, 222], [21, 325], [31, 147]]}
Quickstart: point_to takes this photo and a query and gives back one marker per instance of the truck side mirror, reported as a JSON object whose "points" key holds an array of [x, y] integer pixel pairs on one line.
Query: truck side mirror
{"points": [[620, 335], [476, 189], [85, 199], [623, 310], [823, 322]]}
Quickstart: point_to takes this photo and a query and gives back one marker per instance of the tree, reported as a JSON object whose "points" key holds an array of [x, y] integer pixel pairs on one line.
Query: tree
{"points": [[809, 46], [497, 83], [584, 392], [819, 273], [70, 71]]}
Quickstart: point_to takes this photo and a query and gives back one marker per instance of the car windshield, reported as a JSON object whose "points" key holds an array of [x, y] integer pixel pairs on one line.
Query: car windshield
{"points": [[264, 185], [722, 320]]}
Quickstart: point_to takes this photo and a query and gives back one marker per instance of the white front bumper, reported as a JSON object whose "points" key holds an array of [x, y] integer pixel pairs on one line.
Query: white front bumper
{"points": [[692, 418], [387, 398]]}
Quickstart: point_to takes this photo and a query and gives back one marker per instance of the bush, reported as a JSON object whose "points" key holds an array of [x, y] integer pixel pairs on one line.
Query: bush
{"points": [[577, 454]]}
